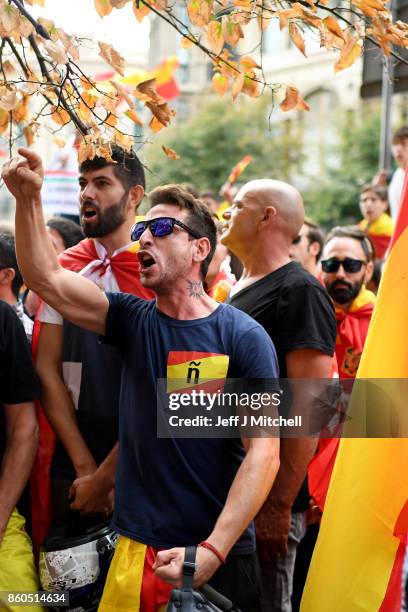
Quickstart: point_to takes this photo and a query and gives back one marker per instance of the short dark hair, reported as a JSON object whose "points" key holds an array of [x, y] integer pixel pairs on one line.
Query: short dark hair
{"points": [[70, 232], [352, 231], [199, 217], [381, 192], [314, 234], [126, 167], [400, 135], [8, 259]]}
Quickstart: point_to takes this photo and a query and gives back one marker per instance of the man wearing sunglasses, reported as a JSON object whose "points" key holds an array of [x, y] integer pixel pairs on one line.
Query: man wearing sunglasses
{"points": [[170, 492], [347, 265]]}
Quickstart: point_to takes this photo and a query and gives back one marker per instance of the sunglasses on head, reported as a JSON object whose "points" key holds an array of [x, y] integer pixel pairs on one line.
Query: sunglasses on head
{"points": [[332, 265], [162, 226]]}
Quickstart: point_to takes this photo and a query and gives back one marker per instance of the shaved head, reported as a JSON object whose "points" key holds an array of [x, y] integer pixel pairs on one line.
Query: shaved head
{"points": [[284, 198]]}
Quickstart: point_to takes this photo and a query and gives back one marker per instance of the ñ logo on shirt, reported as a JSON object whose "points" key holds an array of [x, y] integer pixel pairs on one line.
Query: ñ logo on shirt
{"points": [[194, 369]]}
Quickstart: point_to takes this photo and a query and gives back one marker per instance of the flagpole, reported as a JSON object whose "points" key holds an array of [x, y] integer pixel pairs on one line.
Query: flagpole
{"points": [[387, 91]]}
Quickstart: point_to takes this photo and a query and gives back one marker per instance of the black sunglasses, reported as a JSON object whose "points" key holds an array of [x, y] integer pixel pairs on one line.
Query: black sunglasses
{"points": [[332, 265], [162, 226], [297, 239]]}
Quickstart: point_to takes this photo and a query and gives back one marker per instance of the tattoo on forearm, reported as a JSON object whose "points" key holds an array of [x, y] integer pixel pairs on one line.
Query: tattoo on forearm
{"points": [[195, 288]]}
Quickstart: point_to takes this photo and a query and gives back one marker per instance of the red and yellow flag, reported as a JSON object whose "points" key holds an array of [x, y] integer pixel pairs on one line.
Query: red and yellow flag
{"points": [[239, 168], [358, 557]]}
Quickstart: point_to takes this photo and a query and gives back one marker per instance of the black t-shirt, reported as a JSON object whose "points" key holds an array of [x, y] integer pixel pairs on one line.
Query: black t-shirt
{"points": [[18, 380], [296, 311]]}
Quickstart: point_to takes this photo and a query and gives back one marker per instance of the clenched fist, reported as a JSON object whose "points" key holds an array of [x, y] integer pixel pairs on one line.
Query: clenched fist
{"points": [[24, 174]]}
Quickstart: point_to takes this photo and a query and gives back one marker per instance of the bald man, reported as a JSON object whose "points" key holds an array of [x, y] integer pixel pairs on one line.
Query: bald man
{"points": [[293, 307]]}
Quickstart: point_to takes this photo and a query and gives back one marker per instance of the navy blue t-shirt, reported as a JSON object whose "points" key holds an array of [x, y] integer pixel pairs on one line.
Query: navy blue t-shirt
{"points": [[170, 492]]}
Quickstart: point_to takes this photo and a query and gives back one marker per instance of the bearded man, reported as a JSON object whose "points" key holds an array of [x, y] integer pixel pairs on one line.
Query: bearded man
{"points": [[80, 377], [347, 265]]}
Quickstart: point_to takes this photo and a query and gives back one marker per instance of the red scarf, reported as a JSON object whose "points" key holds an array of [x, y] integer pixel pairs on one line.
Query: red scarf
{"points": [[352, 328], [125, 267]]}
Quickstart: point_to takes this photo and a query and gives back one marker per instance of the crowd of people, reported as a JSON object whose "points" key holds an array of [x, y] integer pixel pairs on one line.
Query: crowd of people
{"points": [[251, 289]]}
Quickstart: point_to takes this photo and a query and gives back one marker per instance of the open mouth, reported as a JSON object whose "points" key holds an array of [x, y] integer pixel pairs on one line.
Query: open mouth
{"points": [[146, 261], [89, 212]]}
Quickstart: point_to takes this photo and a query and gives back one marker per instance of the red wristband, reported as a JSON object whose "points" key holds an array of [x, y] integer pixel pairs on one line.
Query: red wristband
{"points": [[213, 550]]}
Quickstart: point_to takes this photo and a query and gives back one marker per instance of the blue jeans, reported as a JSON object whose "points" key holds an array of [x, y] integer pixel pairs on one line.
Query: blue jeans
{"points": [[277, 575]]}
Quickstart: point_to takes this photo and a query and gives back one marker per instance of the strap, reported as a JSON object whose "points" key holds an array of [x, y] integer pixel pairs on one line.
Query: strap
{"points": [[189, 567]]}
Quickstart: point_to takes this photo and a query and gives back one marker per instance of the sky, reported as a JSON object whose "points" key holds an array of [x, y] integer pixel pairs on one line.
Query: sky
{"points": [[120, 28]]}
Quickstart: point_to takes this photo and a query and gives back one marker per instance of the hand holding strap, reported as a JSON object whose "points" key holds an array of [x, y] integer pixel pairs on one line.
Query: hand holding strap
{"points": [[189, 567]]}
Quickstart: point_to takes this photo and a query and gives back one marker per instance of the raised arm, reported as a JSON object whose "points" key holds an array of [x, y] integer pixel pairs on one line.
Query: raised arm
{"points": [[76, 298]]}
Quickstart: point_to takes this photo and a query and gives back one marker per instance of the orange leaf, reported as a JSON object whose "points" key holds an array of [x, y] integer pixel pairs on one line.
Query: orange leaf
{"points": [[297, 38], [29, 135], [348, 54], [220, 83], [109, 103], [231, 31], [244, 4], [103, 7], [215, 39], [131, 114], [112, 57], [251, 88], [247, 63], [122, 93], [86, 83], [25, 28], [293, 100], [55, 51], [86, 151], [20, 112], [8, 99], [199, 12], [160, 111], [69, 43], [60, 115], [170, 153], [118, 4], [334, 27], [49, 25], [111, 120], [155, 125], [238, 85], [10, 17], [89, 99], [141, 11]]}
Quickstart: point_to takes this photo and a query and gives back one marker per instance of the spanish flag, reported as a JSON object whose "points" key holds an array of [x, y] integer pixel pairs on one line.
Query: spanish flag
{"points": [[359, 554], [166, 84], [239, 168]]}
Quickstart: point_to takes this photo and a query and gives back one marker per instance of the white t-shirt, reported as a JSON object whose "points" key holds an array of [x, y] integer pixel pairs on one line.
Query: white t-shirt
{"points": [[395, 191], [105, 281]]}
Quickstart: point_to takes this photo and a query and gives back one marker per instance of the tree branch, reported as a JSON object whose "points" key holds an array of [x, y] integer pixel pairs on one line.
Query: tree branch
{"points": [[44, 71]]}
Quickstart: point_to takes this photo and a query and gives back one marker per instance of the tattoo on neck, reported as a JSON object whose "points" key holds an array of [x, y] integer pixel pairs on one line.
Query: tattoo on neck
{"points": [[195, 288]]}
